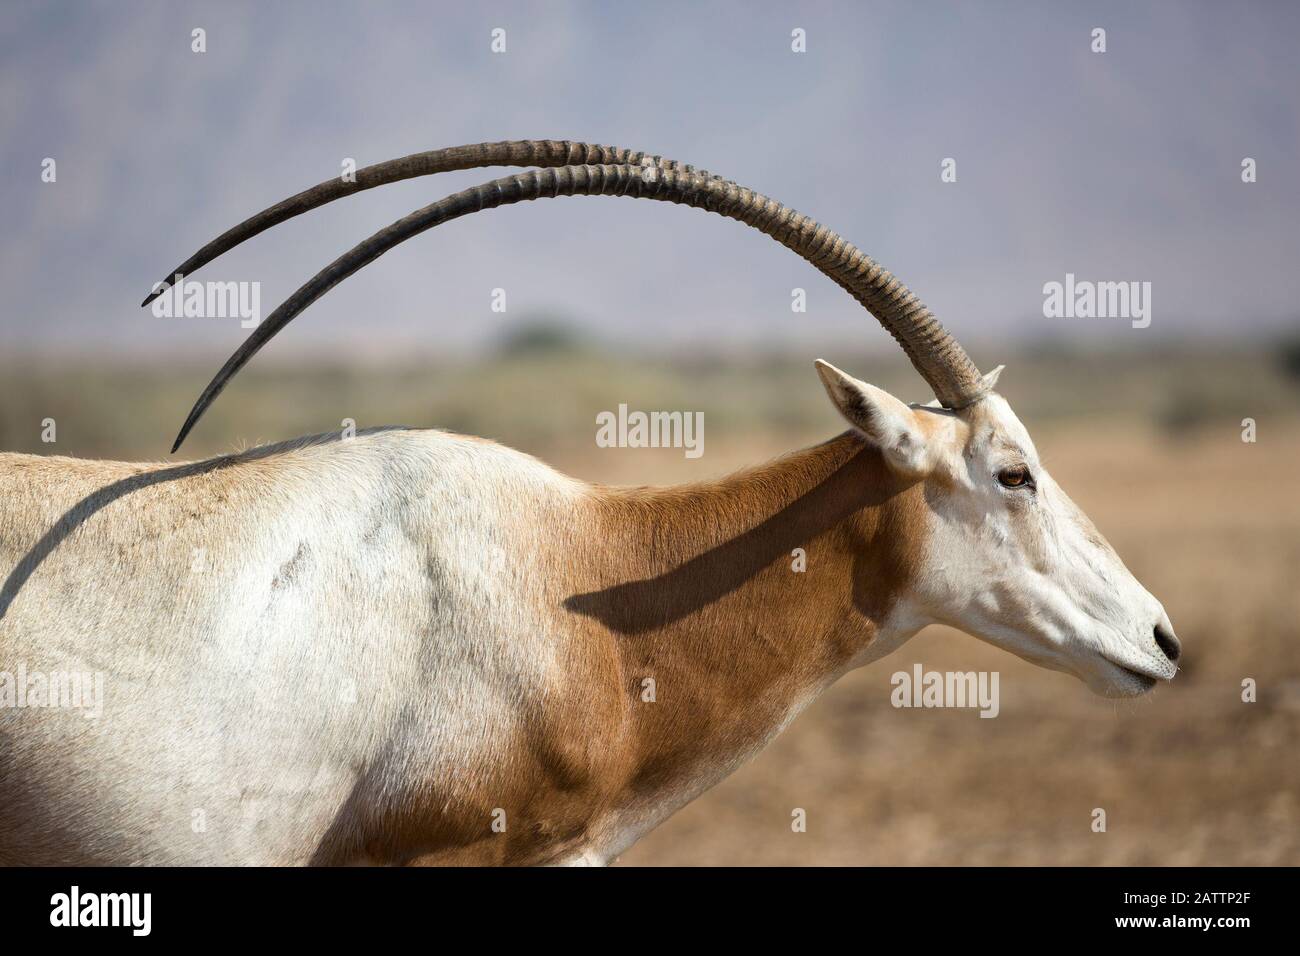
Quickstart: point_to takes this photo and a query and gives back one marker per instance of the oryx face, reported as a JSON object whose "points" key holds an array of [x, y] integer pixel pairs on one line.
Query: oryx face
{"points": [[1008, 556]]}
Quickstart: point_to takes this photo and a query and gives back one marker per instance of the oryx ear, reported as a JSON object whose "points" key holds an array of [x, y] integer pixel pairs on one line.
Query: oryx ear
{"points": [[888, 423]]}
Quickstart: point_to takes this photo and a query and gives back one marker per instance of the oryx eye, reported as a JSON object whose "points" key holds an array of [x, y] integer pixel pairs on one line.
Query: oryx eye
{"points": [[1017, 476]]}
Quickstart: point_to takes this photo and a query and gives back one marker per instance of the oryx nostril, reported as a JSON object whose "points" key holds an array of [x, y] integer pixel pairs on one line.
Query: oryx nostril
{"points": [[1168, 643]]}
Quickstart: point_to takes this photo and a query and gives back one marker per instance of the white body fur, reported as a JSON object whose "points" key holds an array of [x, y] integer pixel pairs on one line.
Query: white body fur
{"points": [[253, 669]]}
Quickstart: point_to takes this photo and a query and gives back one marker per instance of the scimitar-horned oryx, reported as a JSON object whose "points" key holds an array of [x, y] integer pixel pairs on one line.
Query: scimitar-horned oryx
{"points": [[411, 646]]}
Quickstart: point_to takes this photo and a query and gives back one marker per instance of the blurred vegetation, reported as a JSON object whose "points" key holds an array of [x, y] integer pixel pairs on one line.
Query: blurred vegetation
{"points": [[1288, 353], [541, 336], [542, 388]]}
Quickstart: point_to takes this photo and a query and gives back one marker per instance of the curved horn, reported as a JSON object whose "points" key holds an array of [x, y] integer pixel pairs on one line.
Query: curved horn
{"points": [[529, 152], [936, 355]]}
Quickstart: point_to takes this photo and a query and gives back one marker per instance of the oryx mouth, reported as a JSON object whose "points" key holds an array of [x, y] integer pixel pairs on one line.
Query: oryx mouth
{"points": [[1147, 678]]}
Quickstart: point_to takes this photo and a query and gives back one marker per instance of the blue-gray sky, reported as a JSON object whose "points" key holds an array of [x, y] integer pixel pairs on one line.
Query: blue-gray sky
{"points": [[1123, 165]]}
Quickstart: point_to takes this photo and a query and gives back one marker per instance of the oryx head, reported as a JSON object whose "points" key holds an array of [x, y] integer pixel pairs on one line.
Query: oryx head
{"points": [[1009, 557]]}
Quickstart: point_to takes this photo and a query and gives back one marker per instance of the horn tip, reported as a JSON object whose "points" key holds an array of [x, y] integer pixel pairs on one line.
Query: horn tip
{"points": [[190, 421]]}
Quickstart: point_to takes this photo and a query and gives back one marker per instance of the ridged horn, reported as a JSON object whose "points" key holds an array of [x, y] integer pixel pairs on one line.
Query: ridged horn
{"points": [[936, 355], [529, 152]]}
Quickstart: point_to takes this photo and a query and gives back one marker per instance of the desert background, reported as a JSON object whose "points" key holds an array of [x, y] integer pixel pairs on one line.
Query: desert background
{"points": [[1149, 444], [133, 133]]}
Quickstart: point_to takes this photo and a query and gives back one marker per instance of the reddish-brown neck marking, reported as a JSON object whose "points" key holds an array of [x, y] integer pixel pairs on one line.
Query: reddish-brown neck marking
{"points": [[696, 588]]}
